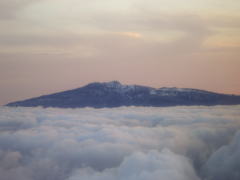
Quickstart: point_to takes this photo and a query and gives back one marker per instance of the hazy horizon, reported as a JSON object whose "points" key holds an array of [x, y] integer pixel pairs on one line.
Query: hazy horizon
{"points": [[54, 45]]}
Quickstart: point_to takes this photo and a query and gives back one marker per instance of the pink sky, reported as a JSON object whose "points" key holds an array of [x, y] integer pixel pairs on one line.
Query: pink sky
{"points": [[51, 46]]}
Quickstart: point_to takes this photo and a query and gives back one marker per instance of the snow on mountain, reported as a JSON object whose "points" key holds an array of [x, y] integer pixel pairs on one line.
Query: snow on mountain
{"points": [[117, 86], [115, 94]]}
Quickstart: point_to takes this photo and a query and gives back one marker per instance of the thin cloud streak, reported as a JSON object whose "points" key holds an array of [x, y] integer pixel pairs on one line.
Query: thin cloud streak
{"points": [[158, 44]]}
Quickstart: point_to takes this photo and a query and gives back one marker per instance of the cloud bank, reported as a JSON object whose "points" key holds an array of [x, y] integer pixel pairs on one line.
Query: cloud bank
{"points": [[143, 39], [176, 143]]}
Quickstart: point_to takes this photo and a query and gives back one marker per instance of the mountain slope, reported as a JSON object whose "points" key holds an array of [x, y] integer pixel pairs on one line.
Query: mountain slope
{"points": [[114, 94]]}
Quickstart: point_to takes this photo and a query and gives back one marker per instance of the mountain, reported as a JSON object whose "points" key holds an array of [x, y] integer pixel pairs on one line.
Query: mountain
{"points": [[115, 94]]}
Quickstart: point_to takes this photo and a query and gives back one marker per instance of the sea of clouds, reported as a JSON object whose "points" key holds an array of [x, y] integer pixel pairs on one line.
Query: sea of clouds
{"points": [[127, 143]]}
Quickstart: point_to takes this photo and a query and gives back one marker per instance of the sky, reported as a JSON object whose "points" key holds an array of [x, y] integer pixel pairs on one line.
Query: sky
{"points": [[127, 143], [53, 45]]}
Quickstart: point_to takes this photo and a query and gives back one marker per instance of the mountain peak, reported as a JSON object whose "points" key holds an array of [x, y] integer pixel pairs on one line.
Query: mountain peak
{"points": [[115, 94], [113, 84], [108, 84]]}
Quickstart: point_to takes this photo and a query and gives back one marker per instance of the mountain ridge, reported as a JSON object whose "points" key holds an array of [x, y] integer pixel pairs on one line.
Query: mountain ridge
{"points": [[114, 94]]}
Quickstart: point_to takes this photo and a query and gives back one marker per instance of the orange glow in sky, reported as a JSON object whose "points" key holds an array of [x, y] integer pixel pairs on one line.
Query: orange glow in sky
{"points": [[48, 46]]}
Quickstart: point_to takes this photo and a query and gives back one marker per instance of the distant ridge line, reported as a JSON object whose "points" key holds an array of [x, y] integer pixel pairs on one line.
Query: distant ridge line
{"points": [[114, 94]]}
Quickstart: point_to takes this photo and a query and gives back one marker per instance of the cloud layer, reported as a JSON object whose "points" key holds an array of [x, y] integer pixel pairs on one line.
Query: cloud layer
{"points": [[141, 39], [177, 143]]}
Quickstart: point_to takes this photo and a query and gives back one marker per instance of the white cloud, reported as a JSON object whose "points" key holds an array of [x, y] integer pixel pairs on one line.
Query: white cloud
{"points": [[122, 143], [225, 162], [153, 165]]}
